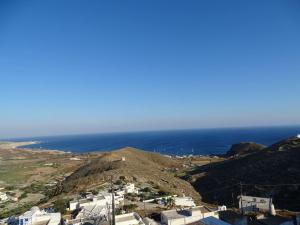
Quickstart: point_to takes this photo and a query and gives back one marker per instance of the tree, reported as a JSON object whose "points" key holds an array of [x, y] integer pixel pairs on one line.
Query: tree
{"points": [[170, 203], [61, 205]]}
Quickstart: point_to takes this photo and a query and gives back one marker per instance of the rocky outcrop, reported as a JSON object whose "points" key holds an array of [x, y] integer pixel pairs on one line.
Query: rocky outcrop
{"points": [[244, 148]]}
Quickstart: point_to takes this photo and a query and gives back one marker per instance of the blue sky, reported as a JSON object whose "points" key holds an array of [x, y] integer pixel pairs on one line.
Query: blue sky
{"points": [[69, 66]]}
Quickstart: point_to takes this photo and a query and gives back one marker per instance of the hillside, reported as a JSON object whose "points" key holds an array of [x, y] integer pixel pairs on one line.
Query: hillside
{"points": [[263, 172], [139, 166], [244, 148]]}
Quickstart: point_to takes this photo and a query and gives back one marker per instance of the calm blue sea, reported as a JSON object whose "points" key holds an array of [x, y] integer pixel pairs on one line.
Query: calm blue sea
{"points": [[179, 142]]}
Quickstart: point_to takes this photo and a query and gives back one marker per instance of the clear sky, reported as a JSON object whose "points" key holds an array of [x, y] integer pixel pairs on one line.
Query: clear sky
{"points": [[69, 66]]}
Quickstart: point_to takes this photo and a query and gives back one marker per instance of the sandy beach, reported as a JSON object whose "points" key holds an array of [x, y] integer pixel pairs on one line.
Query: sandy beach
{"points": [[9, 145]]}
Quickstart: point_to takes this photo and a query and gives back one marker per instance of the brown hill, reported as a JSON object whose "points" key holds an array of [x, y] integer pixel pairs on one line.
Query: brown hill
{"points": [[268, 172], [139, 166]]}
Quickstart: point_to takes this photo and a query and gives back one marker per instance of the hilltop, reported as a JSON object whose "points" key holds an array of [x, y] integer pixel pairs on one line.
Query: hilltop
{"points": [[244, 148], [138, 166], [261, 172]]}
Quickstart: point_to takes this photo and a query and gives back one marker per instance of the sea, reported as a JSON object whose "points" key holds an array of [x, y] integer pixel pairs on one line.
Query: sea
{"points": [[172, 142]]}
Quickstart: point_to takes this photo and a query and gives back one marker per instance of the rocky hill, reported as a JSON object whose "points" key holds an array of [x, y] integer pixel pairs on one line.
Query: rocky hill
{"points": [[244, 148], [267, 172], [139, 166]]}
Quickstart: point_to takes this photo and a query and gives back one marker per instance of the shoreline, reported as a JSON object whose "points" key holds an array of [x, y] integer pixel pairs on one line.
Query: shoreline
{"points": [[16, 145], [19, 145]]}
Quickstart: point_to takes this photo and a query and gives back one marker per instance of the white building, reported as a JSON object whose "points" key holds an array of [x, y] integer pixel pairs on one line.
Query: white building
{"points": [[3, 197], [254, 204], [186, 216], [130, 188], [120, 192], [88, 212], [222, 208], [39, 217], [298, 135], [127, 189], [129, 219], [103, 199], [93, 206], [184, 201]]}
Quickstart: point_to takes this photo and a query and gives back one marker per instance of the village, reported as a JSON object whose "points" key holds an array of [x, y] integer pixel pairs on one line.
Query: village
{"points": [[124, 203]]}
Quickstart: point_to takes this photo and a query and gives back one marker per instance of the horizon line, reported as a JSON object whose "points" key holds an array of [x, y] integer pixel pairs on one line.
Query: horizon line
{"points": [[151, 130]]}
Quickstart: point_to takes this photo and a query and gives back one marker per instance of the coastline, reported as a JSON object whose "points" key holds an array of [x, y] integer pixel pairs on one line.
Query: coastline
{"points": [[15, 145], [18, 146], [184, 143]]}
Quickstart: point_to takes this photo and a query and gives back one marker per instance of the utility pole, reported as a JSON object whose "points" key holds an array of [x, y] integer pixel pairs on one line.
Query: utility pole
{"points": [[113, 221], [144, 208], [241, 199], [232, 199], [108, 214]]}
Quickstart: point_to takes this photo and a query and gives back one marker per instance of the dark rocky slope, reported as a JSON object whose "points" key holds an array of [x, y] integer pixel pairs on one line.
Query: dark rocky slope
{"points": [[244, 148], [268, 172]]}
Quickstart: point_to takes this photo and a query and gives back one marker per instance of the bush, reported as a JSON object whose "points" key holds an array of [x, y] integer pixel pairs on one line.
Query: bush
{"points": [[130, 207], [95, 192], [19, 210], [163, 192], [10, 188], [146, 189], [23, 195], [36, 187], [60, 205], [118, 182]]}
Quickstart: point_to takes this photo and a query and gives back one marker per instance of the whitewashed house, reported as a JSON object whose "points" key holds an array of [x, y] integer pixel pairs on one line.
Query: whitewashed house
{"points": [[130, 188], [222, 208], [186, 216], [255, 204], [3, 197], [129, 219], [102, 199], [93, 206], [90, 212], [39, 217], [184, 202]]}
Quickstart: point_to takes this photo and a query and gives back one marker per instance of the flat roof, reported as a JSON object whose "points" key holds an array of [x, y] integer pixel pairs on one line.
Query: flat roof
{"points": [[43, 222], [213, 221], [181, 213], [176, 214], [203, 209], [126, 217]]}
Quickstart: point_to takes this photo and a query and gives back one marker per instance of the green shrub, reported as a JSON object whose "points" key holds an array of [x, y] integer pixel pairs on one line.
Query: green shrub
{"points": [[146, 189], [23, 195], [61, 205], [118, 182], [130, 207], [95, 192]]}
